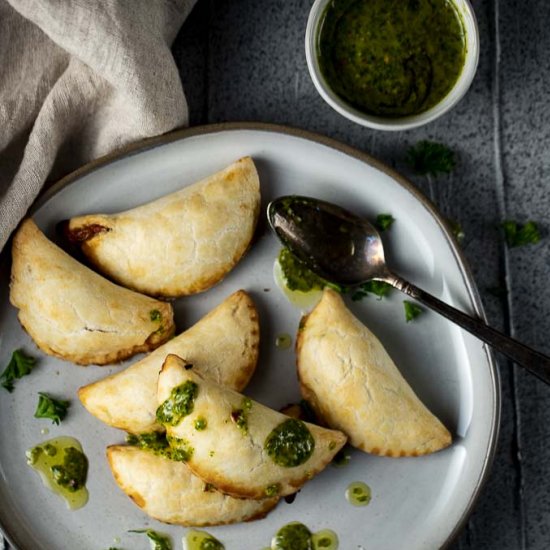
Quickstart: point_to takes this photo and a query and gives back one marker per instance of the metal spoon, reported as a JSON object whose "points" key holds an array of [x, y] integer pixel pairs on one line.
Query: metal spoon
{"points": [[346, 249]]}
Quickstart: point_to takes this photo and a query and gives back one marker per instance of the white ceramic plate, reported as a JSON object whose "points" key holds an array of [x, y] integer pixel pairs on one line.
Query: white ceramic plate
{"points": [[417, 502]]}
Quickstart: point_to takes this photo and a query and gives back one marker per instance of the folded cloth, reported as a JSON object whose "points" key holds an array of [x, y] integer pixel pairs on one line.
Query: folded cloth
{"points": [[79, 79]]}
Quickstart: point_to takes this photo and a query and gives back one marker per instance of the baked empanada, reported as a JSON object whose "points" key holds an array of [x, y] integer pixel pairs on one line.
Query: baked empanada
{"points": [[223, 345], [353, 385], [180, 244], [168, 491], [76, 314], [240, 446]]}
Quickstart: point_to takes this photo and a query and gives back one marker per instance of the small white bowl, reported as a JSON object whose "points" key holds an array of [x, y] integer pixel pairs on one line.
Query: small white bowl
{"points": [[398, 123]]}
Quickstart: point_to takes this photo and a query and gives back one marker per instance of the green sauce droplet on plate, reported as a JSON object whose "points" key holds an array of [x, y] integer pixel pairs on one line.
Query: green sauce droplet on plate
{"points": [[63, 468], [325, 540], [358, 493], [283, 341], [201, 540], [296, 536]]}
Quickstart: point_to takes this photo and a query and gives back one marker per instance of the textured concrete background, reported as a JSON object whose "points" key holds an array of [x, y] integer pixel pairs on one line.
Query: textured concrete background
{"points": [[244, 60]]}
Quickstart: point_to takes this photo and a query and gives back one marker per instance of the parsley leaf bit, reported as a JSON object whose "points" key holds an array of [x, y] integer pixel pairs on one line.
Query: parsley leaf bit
{"points": [[457, 231], [20, 365], [519, 235], [384, 221], [431, 158], [379, 288], [158, 541], [412, 310], [48, 407], [497, 291]]}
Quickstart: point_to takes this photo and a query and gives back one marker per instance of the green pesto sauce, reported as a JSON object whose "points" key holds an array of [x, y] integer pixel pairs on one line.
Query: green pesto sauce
{"points": [[240, 416], [358, 493], [179, 404], [200, 540], [272, 490], [392, 57], [293, 536], [325, 540], [296, 536], [290, 443], [180, 449], [157, 443], [63, 468], [200, 423], [297, 275], [155, 315]]}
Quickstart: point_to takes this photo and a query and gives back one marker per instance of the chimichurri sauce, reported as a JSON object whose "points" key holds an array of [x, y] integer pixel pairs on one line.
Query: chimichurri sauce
{"points": [[296, 536], [63, 468], [290, 444], [392, 57]]}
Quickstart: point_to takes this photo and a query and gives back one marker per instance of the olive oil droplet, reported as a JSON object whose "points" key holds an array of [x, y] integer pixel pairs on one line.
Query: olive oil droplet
{"points": [[198, 540], [358, 493], [283, 341], [63, 467]]}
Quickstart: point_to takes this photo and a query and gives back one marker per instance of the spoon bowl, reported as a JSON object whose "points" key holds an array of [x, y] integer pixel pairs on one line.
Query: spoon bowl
{"points": [[335, 243], [346, 249]]}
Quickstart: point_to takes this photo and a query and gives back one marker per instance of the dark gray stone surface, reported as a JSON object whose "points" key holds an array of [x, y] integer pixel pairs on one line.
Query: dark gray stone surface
{"points": [[253, 68]]}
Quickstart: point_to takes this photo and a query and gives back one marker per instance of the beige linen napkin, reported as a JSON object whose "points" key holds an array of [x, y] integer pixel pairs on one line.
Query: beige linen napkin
{"points": [[79, 79]]}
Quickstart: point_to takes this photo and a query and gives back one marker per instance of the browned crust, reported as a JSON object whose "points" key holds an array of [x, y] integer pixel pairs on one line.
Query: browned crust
{"points": [[309, 395], [153, 341], [241, 298], [286, 488], [268, 503], [89, 245], [28, 231]]}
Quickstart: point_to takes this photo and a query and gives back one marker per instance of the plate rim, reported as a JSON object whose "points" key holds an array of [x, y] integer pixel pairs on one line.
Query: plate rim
{"points": [[467, 276]]}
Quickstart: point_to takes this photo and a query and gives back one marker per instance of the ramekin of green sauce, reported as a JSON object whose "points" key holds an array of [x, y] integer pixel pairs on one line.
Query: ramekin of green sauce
{"points": [[392, 64]]}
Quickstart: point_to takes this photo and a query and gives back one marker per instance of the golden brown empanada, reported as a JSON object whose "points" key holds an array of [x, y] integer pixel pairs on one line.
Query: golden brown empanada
{"points": [[180, 244], [76, 314], [353, 385], [168, 491], [240, 446], [223, 345]]}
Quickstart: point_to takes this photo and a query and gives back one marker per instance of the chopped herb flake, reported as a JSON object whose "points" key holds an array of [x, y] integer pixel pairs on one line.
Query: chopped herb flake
{"points": [[272, 490], [430, 157], [48, 407], [412, 310], [457, 231], [379, 288], [20, 365], [519, 235], [384, 221], [155, 315], [158, 541], [72, 473]]}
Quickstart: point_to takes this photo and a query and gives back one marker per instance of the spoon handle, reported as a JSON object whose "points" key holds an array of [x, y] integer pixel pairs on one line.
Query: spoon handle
{"points": [[534, 361]]}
